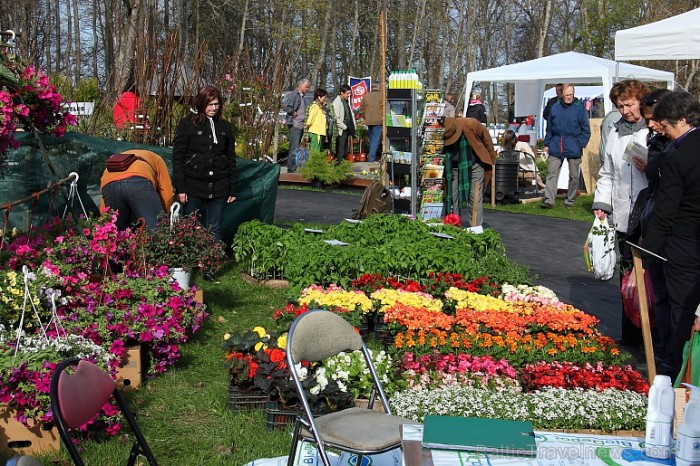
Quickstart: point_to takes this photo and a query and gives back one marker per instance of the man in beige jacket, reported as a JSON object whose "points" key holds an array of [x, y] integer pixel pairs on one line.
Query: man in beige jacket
{"points": [[370, 112]]}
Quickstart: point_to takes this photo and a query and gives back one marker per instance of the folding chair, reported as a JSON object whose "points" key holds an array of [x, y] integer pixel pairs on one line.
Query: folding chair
{"points": [[77, 398], [315, 336]]}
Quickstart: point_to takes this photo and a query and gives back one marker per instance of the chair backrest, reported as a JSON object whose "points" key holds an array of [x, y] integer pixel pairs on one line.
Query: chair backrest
{"points": [[320, 334], [83, 393], [77, 397]]}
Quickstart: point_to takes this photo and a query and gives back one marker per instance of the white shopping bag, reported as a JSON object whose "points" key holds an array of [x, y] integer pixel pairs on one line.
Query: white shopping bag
{"points": [[599, 250]]}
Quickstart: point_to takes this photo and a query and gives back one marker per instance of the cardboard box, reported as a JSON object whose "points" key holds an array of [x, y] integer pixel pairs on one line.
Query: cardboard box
{"points": [[18, 439], [130, 373]]}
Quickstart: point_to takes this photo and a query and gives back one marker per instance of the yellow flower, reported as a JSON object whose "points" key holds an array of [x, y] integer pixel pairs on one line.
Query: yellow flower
{"points": [[282, 341], [350, 300], [260, 345], [477, 302], [227, 336], [387, 297], [261, 332]]}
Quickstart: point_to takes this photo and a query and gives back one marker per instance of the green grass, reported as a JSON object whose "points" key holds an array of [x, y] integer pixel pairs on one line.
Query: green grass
{"points": [[580, 211], [184, 413]]}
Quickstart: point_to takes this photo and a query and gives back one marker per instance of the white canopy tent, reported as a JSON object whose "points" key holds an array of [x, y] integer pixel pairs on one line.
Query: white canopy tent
{"points": [[675, 38], [531, 77]]}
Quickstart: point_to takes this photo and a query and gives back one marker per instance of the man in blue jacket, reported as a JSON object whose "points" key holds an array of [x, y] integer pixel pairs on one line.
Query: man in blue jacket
{"points": [[568, 132]]}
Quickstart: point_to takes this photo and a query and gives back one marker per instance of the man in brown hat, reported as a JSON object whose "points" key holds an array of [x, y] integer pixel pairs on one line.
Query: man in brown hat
{"points": [[469, 154]]}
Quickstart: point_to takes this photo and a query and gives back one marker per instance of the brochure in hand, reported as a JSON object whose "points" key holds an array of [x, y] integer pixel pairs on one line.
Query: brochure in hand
{"points": [[479, 434]]}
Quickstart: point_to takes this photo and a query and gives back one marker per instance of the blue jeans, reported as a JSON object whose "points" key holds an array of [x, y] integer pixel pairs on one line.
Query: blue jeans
{"points": [[132, 198], [375, 137], [213, 212], [295, 135]]}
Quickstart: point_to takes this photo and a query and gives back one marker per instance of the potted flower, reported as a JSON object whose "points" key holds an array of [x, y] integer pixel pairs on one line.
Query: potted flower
{"points": [[350, 371], [257, 366], [319, 171], [186, 245], [360, 141]]}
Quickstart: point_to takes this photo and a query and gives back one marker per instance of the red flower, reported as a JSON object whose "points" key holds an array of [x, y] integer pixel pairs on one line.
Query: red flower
{"points": [[453, 219], [277, 355]]}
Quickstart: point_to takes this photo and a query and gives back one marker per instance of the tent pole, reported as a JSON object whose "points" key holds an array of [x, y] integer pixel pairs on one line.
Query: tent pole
{"points": [[382, 80]]}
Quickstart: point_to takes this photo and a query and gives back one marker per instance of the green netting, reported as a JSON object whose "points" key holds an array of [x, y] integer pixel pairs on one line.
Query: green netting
{"points": [[86, 155]]}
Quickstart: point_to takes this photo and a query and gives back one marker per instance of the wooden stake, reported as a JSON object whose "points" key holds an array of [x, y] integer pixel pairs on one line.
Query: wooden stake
{"points": [[644, 313], [475, 204], [493, 186]]}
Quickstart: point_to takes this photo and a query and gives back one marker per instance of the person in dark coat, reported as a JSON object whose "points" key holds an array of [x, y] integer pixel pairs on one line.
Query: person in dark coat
{"points": [[476, 108], [559, 89], [204, 160], [674, 228]]}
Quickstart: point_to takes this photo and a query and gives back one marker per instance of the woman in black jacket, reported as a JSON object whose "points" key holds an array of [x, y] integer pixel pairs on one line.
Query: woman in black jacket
{"points": [[204, 161], [674, 228]]}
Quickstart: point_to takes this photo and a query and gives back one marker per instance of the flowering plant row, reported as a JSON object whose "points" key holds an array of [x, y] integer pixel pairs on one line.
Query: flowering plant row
{"points": [[457, 370], [586, 376], [550, 408]]}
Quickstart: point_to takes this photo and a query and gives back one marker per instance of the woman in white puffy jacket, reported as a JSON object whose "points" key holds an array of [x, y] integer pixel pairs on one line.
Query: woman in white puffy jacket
{"points": [[621, 176]]}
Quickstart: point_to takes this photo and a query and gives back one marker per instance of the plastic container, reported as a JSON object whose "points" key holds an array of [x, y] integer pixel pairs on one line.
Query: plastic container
{"points": [[659, 437], [688, 435]]}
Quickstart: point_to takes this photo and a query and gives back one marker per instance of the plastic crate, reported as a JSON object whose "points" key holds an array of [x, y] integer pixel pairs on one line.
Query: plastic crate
{"points": [[245, 400], [277, 418]]}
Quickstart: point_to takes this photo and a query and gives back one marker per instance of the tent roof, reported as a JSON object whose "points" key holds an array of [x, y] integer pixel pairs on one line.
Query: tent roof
{"points": [[530, 77], [568, 67], [674, 38]]}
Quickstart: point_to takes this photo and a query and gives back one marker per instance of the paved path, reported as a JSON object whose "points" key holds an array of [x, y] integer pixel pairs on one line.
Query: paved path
{"points": [[550, 247]]}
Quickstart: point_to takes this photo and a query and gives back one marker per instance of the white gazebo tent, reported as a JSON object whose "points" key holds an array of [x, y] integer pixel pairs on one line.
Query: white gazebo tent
{"points": [[531, 77], [674, 38]]}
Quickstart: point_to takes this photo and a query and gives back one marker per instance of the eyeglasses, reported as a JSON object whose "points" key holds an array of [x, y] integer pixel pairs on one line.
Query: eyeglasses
{"points": [[568, 95]]}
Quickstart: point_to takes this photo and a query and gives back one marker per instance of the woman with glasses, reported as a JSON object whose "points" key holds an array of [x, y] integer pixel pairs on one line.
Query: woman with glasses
{"points": [[621, 177], [674, 228], [204, 161]]}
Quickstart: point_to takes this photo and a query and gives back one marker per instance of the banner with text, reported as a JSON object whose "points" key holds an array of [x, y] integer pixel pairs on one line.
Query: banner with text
{"points": [[359, 87]]}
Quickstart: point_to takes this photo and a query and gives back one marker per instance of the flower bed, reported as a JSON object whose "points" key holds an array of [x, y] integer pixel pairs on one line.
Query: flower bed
{"points": [[473, 348]]}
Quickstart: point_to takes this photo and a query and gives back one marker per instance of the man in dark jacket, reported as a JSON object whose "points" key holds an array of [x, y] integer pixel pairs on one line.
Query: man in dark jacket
{"points": [[567, 134], [294, 106]]}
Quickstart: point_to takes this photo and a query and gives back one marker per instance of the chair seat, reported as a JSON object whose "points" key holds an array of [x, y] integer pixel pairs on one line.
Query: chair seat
{"points": [[360, 429]]}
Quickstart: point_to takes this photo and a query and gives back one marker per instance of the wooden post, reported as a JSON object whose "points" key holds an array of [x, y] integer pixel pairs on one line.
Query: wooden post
{"points": [[383, 173], [493, 186], [644, 313], [475, 204]]}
